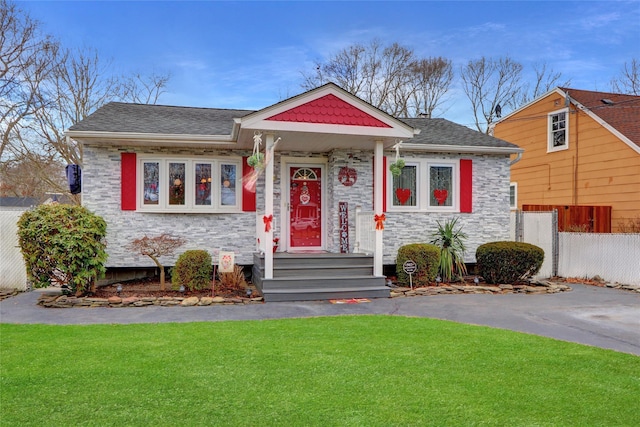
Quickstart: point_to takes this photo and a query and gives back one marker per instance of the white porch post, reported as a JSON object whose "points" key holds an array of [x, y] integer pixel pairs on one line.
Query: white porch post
{"points": [[378, 205], [268, 207]]}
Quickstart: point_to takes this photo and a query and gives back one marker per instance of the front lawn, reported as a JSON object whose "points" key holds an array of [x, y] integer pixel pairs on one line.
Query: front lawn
{"points": [[363, 371]]}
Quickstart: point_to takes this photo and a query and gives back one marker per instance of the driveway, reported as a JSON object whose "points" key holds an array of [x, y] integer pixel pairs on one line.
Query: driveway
{"points": [[601, 317]]}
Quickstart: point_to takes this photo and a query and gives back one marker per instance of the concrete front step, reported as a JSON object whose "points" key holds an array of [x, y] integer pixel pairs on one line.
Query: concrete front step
{"points": [[303, 277], [325, 294]]}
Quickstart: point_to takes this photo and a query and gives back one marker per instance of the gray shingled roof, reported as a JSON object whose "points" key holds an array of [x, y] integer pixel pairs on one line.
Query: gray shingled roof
{"points": [[161, 119], [444, 132]]}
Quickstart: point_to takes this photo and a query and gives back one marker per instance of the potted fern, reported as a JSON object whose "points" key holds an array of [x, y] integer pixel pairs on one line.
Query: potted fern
{"points": [[396, 167], [256, 160]]}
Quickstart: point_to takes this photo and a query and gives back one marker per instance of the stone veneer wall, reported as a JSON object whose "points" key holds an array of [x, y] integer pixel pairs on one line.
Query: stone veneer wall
{"points": [[101, 194], [489, 220]]}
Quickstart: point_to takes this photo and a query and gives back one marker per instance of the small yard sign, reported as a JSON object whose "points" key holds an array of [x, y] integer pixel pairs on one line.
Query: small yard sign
{"points": [[226, 263], [410, 267]]}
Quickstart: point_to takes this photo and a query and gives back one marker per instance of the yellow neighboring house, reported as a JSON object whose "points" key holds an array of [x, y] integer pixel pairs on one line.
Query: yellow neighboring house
{"points": [[581, 148]]}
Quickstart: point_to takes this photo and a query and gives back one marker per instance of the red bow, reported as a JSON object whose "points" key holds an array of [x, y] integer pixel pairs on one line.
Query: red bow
{"points": [[267, 222], [379, 219]]}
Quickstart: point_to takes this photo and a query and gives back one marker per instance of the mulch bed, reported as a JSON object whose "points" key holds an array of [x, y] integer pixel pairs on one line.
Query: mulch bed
{"points": [[150, 287]]}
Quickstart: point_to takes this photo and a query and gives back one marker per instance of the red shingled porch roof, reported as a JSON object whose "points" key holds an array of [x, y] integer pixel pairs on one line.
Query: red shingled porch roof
{"points": [[328, 109]]}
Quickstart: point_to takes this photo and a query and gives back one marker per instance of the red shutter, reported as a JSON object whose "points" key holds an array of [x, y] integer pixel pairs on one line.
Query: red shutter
{"points": [[248, 194], [466, 185], [128, 181], [384, 183]]}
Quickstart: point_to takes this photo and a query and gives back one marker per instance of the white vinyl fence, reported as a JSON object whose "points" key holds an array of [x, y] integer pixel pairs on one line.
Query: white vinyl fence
{"points": [[13, 274], [540, 229], [614, 257]]}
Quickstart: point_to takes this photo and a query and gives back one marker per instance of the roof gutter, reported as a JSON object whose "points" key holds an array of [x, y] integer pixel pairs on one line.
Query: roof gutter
{"points": [[135, 136], [516, 160], [432, 148]]}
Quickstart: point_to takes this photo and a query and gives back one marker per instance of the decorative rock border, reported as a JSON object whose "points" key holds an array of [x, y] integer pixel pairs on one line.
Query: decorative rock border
{"points": [[6, 293], [65, 301], [538, 287], [534, 287], [632, 288]]}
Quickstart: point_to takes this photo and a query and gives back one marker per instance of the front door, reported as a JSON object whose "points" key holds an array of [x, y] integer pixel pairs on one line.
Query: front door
{"points": [[305, 208]]}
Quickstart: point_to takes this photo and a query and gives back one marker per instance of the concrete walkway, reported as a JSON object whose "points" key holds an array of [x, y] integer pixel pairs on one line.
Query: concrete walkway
{"points": [[601, 317]]}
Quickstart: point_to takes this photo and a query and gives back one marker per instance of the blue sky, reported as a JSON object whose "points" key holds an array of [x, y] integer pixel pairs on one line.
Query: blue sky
{"points": [[251, 54]]}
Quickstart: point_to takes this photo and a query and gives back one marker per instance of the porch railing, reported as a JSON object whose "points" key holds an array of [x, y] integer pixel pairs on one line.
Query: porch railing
{"points": [[365, 232]]}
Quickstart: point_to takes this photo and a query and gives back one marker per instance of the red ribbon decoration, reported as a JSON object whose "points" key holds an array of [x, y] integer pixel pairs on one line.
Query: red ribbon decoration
{"points": [[379, 219], [267, 222]]}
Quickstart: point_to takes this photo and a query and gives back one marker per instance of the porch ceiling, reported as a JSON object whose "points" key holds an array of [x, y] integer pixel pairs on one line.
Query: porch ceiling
{"points": [[290, 141], [316, 142]]}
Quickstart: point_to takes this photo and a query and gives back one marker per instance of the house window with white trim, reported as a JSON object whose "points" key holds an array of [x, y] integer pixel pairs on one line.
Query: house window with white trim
{"points": [[513, 195], [405, 186], [558, 135], [425, 185], [441, 186], [189, 185]]}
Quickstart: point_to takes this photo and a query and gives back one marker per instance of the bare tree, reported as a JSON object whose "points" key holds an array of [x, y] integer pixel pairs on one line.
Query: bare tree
{"points": [[628, 81], [45, 89], [27, 59], [545, 80], [143, 89], [491, 84], [433, 77], [156, 247], [388, 77]]}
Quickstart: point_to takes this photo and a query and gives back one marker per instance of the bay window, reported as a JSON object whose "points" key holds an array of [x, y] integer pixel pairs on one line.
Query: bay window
{"points": [[189, 185]]}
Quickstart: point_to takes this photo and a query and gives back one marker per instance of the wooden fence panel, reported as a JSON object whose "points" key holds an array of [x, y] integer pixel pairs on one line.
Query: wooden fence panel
{"points": [[592, 219]]}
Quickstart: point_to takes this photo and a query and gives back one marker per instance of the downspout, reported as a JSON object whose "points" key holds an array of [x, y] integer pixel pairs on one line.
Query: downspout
{"points": [[517, 159]]}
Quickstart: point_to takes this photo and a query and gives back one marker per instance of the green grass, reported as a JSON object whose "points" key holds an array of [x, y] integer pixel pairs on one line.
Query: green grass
{"points": [[342, 371]]}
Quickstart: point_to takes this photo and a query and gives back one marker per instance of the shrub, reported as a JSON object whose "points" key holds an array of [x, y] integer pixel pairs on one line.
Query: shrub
{"points": [[63, 244], [508, 262], [193, 270], [630, 225], [427, 259], [155, 247], [451, 244], [233, 281]]}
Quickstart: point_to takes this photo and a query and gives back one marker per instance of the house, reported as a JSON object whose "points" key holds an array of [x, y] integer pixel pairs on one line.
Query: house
{"points": [[323, 191], [581, 153]]}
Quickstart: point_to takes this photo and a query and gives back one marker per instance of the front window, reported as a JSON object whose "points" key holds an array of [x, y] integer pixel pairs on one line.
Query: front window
{"points": [[513, 195], [151, 183], [176, 183], [558, 135], [425, 185], [203, 184], [405, 186], [228, 193], [440, 186], [189, 185]]}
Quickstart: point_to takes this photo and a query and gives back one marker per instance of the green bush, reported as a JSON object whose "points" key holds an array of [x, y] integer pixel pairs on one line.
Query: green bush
{"points": [[63, 244], [193, 270], [508, 262], [427, 259]]}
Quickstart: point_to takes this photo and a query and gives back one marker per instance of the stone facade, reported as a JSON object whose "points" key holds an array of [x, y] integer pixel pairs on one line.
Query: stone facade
{"points": [[236, 232]]}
